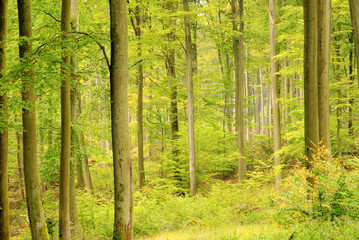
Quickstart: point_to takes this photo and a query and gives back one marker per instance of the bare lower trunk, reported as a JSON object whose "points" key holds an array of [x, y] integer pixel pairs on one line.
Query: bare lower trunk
{"points": [[32, 180], [239, 83], [311, 124], [141, 167], [4, 198], [192, 156], [64, 195], [323, 9], [354, 10], [20, 160], [123, 180], [275, 92]]}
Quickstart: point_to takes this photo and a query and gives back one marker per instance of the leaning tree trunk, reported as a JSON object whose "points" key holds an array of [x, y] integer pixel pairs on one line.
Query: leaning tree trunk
{"points": [[310, 81], [31, 174], [275, 92], [123, 180], [64, 196], [192, 155], [4, 198]]}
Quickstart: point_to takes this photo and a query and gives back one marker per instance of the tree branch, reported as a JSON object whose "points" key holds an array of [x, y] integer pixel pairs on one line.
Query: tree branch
{"points": [[47, 13], [39, 49]]}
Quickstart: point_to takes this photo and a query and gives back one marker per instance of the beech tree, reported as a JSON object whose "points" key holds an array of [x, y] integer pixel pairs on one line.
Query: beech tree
{"points": [[64, 197], [275, 90], [31, 174], [324, 12], [4, 198], [354, 12], [75, 162], [239, 81], [171, 73], [192, 154], [123, 179], [316, 75], [310, 79], [138, 32]]}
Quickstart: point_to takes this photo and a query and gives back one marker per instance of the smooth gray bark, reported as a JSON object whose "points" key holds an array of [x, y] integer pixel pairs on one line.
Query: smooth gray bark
{"points": [[192, 155], [324, 12], [31, 174], [239, 82], [311, 124], [123, 179]]}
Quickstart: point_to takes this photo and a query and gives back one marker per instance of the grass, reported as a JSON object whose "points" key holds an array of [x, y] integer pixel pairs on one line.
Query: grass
{"points": [[222, 210]]}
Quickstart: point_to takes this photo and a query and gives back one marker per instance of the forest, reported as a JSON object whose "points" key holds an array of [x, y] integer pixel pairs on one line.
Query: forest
{"points": [[169, 119]]}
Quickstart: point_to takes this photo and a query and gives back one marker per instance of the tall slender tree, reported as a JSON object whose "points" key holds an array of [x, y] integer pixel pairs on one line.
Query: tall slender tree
{"points": [[275, 90], [123, 179], [239, 81], [75, 161], [4, 198], [31, 174], [189, 69], [311, 124], [354, 10], [64, 197], [138, 33], [171, 73], [324, 12]]}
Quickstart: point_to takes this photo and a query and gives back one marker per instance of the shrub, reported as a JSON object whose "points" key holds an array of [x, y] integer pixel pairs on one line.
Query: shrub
{"points": [[332, 195]]}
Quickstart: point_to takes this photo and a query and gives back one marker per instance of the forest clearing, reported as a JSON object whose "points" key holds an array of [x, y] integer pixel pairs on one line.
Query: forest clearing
{"points": [[169, 119]]}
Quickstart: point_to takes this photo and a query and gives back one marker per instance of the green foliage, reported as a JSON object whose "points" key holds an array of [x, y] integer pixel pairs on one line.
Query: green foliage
{"points": [[332, 195], [157, 211]]}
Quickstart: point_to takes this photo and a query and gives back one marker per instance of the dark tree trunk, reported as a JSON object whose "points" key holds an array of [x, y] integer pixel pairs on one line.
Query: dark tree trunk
{"points": [[4, 198]]}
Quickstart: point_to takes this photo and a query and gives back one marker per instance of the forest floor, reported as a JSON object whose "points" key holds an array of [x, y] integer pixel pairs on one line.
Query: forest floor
{"points": [[222, 210]]}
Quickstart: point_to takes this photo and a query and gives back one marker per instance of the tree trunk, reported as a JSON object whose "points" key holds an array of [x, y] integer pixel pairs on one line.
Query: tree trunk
{"points": [[83, 169], [351, 89], [262, 102], [258, 104], [310, 81], [354, 10], [247, 110], [85, 165], [123, 180], [336, 69], [324, 10], [171, 73], [20, 159], [64, 196], [192, 156], [74, 135], [4, 198], [32, 180], [239, 83], [138, 32], [275, 92]]}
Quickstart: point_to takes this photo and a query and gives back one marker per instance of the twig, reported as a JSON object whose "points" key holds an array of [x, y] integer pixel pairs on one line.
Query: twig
{"points": [[47, 13]]}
